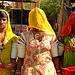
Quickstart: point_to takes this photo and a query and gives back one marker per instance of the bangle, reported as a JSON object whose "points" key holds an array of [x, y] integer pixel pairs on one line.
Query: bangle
{"points": [[58, 71], [12, 70], [18, 72], [0, 63]]}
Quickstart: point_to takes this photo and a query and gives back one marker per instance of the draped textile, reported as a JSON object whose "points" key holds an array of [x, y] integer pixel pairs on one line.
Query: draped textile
{"points": [[5, 57], [37, 19]]}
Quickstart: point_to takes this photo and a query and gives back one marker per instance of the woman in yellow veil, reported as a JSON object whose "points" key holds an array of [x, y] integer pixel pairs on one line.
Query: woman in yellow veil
{"points": [[8, 46], [39, 46]]}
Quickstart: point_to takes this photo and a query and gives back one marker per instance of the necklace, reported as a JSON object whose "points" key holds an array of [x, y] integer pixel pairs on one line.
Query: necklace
{"points": [[73, 42], [2, 46], [38, 43]]}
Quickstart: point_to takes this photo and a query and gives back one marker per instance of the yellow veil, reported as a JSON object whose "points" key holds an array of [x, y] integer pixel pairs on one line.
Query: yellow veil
{"points": [[8, 27], [37, 19]]}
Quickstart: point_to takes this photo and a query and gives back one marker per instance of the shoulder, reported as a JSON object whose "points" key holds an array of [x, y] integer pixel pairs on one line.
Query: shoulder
{"points": [[23, 37], [28, 33], [49, 37], [12, 36]]}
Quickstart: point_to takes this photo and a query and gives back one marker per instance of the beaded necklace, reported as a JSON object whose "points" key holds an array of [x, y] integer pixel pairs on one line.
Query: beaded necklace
{"points": [[73, 38], [37, 43], [2, 45]]}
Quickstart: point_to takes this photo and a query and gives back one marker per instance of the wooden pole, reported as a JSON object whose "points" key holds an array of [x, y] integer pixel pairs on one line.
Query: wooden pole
{"points": [[67, 3], [62, 15], [32, 5]]}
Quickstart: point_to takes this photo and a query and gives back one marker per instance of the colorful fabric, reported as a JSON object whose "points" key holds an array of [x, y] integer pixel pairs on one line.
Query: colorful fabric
{"points": [[67, 70], [37, 19], [38, 57], [69, 55], [65, 37], [5, 57], [4, 71], [68, 63], [67, 29]]}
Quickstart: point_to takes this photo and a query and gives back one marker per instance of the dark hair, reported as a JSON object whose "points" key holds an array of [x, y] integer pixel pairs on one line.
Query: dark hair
{"points": [[3, 14]]}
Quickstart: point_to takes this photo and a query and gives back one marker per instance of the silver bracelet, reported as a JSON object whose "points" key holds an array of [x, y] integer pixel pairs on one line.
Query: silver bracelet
{"points": [[0, 63], [12, 70], [18, 72], [58, 71]]}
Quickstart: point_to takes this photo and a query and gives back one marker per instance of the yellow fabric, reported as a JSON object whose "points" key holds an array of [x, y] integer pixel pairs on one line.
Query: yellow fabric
{"points": [[6, 53], [8, 27], [4, 71], [37, 19]]}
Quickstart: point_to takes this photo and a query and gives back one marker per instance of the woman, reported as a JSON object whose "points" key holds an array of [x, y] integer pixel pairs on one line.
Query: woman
{"points": [[66, 41], [8, 45], [39, 46]]}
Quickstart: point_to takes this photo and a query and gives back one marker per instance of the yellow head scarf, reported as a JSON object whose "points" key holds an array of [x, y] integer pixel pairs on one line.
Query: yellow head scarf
{"points": [[8, 27], [37, 19]]}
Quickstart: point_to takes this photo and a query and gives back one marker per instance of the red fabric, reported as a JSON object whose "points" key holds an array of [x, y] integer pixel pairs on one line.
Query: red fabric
{"points": [[67, 28], [66, 31], [67, 70]]}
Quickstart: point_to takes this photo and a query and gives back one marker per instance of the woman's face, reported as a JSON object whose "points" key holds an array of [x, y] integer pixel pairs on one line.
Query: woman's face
{"points": [[3, 22]]}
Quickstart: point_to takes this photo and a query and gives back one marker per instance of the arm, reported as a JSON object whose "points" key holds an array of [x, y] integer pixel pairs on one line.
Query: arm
{"points": [[13, 57], [21, 54], [19, 64], [55, 57], [60, 49], [12, 64]]}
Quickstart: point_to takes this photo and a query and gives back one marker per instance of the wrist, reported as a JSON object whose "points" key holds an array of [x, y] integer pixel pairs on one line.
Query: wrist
{"points": [[18, 72], [12, 70], [0, 63], [58, 71]]}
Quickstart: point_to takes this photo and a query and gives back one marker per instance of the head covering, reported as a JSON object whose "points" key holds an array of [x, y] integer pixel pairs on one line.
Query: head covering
{"points": [[67, 29], [37, 19], [8, 27]]}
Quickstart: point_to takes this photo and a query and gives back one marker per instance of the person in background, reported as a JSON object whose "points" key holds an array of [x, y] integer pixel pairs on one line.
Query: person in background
{"points": [[37, 47], [66, 45], [8, 45]]}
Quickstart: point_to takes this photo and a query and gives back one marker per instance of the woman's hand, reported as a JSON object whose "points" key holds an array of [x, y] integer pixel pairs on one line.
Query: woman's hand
{"points": [[9, 66], [12, 73]]}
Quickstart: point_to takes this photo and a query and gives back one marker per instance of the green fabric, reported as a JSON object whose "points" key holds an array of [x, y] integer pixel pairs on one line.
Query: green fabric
{"points": [[6, 53], [69, 56]]}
